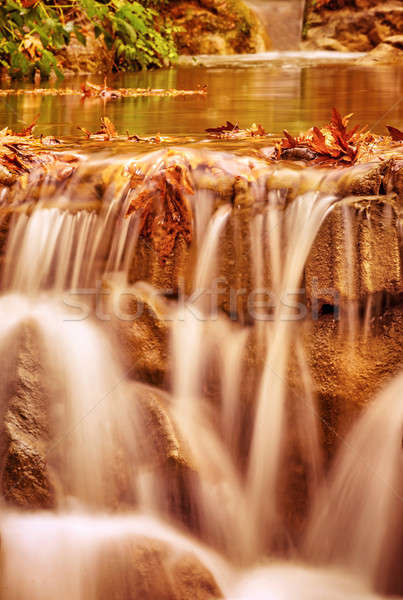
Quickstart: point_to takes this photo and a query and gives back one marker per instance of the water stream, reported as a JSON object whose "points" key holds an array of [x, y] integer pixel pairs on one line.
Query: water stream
{"points": [[231, 417]]}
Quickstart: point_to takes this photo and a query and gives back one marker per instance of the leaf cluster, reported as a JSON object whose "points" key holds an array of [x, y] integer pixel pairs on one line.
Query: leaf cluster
{"points": [[160, 200], [333, 141], [31, 33]]}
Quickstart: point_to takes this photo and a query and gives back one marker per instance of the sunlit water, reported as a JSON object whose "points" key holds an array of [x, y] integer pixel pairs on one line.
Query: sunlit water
{"points": [[236, 527], [277, 91]]}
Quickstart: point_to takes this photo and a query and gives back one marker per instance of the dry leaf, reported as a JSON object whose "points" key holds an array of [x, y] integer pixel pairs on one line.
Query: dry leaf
{"points": [[396, 134]]}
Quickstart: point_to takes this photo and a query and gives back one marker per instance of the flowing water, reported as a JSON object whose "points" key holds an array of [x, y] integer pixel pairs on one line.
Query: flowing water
{"points": [[283, 21], [71, 281], [108, 495], [279, 90]]}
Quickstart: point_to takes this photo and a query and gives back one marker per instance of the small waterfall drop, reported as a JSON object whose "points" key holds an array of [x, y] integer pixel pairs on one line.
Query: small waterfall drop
{"points": [[199, 465], [283, 21]]}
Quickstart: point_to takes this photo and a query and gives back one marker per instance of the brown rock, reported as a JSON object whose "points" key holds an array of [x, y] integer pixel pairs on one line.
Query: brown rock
{"points": [[356, 252], [348, 372], [143, 334], [214, 27], [358, 28], [393, 180], [146, 569], [167, 458], [25, 477], [390, 52], [93, 57]]}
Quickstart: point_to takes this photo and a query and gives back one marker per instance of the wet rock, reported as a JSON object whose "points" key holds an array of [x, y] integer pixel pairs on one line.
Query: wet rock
{"points": [[25, 478], [328, 43], [348, 364], [390, 52], [168, 274], [142, 332], [147, 569], [393, 180], [167, 460], [360, 180], [214, 27], [298, 154], [357, 29], [348, 370], [6, 177], [356, 252]]}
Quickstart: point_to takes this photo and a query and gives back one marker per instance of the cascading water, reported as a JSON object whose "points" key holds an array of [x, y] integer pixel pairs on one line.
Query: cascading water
{"points": [[111, 492], [283, 21]]}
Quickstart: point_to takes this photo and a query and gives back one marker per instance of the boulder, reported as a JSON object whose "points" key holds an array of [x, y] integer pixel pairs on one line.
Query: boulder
{"points": [[167, 460], [358, 29], [356, 252], [146, 569], [348, 371], [26, 480], [215, 27], [389, 52], [93, 57]]}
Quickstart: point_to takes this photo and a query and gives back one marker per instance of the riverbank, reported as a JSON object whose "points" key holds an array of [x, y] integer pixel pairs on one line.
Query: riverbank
{"points": [[371, 26], [40, 40]]}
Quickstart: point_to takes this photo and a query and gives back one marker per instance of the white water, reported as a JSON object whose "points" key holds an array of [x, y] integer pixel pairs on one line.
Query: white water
{"points": [[96, 424]]}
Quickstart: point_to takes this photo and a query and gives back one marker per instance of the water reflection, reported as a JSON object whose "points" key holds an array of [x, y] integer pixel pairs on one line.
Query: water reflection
{"points": [[279, 96]]}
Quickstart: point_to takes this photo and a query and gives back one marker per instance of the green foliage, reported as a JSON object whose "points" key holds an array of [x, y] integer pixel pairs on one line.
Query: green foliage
{"points": [[29, 38], [32, 32], [139, 38]]}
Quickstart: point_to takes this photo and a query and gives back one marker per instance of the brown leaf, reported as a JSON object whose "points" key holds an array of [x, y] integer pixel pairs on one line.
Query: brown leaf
{"points": [[396, 134], [108, 130], [256, 130], [85, 131], [28, 130], [333, 141], [228, 127], [292, 142], [162, 207], [108, 127]]}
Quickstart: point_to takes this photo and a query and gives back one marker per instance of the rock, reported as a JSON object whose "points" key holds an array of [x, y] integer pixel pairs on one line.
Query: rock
{"points": [[25, 478], [146, 569], [214, 27], [393, 181], [327, 43], [356, 252], [298, 154], [142, 331], [6, 177], [358, 28], [348, 372], [360, 180], [167, 459], [93, 57], [390, 52]]}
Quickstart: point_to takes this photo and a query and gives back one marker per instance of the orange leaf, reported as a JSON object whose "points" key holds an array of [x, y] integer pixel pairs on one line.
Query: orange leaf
{"points": [[28, 130], [396, 134]]}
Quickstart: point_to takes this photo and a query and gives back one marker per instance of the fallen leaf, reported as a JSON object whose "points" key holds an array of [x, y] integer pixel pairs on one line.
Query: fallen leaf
{"points": [[228, 127], [28, 130], [162, 207], [333, 141], [396, 134]]}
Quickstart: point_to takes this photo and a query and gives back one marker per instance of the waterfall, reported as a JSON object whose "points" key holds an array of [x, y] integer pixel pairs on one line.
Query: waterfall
{"points": [[128, 480], [365, 487], [283, 21]]}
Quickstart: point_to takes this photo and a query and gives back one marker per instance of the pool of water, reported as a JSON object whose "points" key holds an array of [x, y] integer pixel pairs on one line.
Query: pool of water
{"points": [[278, 91]]}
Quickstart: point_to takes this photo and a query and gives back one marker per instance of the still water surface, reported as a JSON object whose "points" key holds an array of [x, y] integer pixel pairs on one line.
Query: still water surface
{"points": [[276, 93]]}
